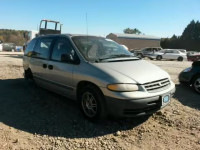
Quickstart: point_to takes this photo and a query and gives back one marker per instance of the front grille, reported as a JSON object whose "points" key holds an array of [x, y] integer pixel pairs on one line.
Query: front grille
{"points": [[157, 86]]}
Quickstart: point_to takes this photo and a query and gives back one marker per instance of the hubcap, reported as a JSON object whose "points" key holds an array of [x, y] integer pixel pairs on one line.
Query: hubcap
{"points": [[89, 104], [197, 84]]}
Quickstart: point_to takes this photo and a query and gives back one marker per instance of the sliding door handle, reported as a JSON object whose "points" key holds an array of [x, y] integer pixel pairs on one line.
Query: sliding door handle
{"points": [[50, 67], [44, 66]]}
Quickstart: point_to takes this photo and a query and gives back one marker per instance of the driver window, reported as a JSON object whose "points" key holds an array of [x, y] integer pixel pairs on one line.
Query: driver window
{"points": [[62, 46]]}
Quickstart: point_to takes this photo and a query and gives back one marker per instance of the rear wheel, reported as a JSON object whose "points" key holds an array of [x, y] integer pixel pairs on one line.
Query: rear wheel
{"points": [[180, 59], [159, 57], [92, 103], [196, 84], [28, 74], [140, 55]]}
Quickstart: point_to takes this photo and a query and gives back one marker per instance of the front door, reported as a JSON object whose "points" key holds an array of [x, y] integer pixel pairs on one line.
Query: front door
{"points": [[61, 72]]}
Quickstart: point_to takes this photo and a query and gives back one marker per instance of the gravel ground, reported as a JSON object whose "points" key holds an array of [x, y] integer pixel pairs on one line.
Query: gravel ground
{"points": [[34, 118]]}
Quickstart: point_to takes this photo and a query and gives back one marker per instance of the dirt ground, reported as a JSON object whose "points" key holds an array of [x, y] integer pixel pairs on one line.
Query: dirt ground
{"points": [[34, 118]]}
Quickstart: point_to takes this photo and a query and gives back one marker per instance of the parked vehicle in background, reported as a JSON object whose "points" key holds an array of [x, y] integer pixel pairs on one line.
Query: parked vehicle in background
{"points": [[170, 54], [105, 78], [193, 53], [191, 76], [193, 57], [124, 46], [1, 46], [146, 51], [182, 50], [19, 48], [9, 47], [134, 51]]}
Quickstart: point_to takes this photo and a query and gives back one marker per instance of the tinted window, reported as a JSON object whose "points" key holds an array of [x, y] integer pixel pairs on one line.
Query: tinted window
{"points": [[148, 49], [30, 47], [43, 48], [62, 46], [168, 51]]}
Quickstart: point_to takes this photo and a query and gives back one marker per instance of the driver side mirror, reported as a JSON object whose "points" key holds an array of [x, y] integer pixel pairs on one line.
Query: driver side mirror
{"points": [[68, 58]]}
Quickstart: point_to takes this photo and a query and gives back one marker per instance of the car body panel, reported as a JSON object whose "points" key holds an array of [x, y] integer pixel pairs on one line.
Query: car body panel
{"points": [[134, 70], [189, 73]]}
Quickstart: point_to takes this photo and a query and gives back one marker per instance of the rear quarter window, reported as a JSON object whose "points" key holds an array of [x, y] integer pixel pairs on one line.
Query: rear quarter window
{"points": [[30, 47], [42, 49]]}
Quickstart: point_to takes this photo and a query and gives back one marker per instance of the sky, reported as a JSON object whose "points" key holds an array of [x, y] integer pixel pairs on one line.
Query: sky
{"points": [[161, 18]]}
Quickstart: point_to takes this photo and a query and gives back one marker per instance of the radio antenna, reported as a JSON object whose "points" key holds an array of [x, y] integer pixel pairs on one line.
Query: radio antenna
{"points": [[86, 24], [86, 30]]}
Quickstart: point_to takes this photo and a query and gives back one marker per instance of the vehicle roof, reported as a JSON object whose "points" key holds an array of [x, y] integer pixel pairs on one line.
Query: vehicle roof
{"points": [[66, 35]]}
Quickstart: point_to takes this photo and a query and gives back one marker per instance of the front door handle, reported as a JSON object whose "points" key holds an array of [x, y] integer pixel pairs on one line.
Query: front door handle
{"points": [[50, 67], [44, 66]]}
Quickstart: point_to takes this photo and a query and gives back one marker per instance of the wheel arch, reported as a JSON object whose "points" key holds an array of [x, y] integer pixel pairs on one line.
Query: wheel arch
{"points": [[28, 73], [83, 84], [193, 78]]}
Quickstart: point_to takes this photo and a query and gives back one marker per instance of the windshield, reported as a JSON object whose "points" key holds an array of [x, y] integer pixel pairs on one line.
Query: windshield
{"points": [[98, 48]]}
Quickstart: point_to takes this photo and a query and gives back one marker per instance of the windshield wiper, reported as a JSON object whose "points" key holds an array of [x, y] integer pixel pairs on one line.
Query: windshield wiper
{"points": [[116, 56]]}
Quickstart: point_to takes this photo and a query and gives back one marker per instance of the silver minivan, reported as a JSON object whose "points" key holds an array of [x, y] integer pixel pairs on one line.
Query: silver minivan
{"points": [[100, 74]]}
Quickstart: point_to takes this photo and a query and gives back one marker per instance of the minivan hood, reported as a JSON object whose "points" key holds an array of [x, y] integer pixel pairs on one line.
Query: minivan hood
{"points": [[140, 71]]}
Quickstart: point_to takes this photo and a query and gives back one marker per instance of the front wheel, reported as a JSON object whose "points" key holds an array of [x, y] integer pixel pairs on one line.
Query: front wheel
{"points": [[92, 103], [140, 55], [180, 59], [159, 57], [196, 84]]}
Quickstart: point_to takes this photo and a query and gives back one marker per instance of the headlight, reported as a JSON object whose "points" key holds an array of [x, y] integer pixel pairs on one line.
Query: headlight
{"points": [[123, 87], [188, 69]]}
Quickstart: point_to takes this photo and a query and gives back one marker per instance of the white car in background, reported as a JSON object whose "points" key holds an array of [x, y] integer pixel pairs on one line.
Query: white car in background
{"points": [[170, 54], [182, 50], [1, 47]]}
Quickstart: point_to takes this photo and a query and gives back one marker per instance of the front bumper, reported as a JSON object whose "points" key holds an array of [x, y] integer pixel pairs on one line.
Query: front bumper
{"points": [[136, 107]]}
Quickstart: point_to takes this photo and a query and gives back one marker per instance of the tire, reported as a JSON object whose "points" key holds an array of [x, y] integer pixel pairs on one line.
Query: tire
{"points": [[140, 55], [180, 58], [159, 57], [28, 74], [92, 103], [196, 84]]}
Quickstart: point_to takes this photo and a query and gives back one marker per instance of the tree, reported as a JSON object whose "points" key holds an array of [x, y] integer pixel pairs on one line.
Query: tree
{"points": [[132, 31], [192, 31], [12, 36], [174, 37], [189, 40]]}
